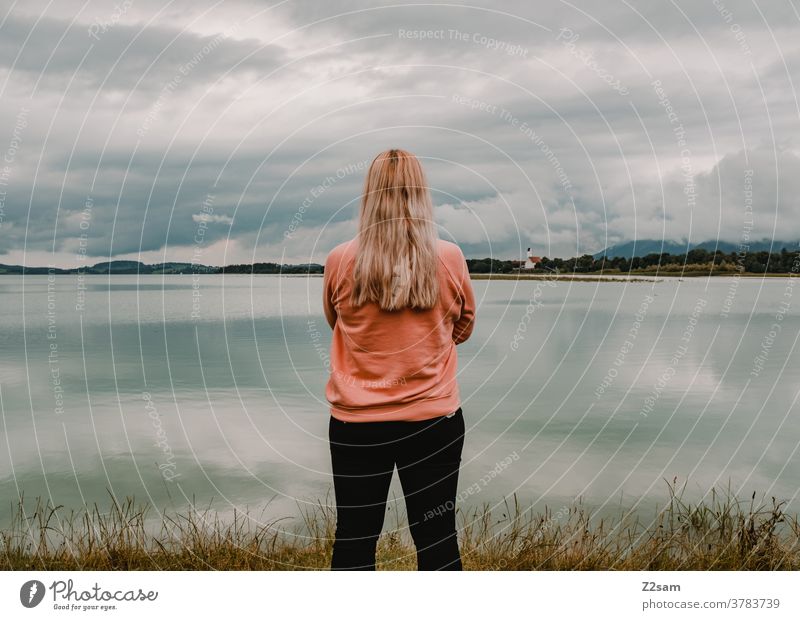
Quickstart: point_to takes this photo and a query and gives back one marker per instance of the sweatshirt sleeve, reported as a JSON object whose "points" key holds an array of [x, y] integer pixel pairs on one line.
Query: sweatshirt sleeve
{"points": [[328, 282], [462, 329]]}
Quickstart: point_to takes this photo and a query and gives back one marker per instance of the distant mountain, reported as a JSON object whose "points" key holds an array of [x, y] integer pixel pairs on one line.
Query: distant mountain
{"points": [[18, 269], [118, 266], [114, 266], [182, 268], [643, 247], [135, 267]]}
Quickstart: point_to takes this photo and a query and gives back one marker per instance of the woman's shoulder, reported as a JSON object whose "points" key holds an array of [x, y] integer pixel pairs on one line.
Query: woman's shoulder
{"points": [[340, 251], [450, 251], [453, 262]]}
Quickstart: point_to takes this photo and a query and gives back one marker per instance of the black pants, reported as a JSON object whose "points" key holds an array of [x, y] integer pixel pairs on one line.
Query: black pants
{"points": [[427, 455]]}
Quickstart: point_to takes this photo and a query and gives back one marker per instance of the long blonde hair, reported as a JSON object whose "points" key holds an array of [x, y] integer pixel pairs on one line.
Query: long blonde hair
{"points": [[395, 264]]}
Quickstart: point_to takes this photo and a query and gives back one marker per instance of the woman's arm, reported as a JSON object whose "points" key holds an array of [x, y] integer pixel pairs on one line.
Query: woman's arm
{"points": [[462, 329], [328, 279]]}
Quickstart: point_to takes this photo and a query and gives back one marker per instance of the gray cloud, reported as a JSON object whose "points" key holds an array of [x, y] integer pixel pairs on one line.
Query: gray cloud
{"points": [[137, 59], [531, 134]]}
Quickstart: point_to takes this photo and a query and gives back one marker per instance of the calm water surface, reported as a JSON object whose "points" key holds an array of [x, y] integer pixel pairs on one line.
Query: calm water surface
{"points": [[177, 388]]}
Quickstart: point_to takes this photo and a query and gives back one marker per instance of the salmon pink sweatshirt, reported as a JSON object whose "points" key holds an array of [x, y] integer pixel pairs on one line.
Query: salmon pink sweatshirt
{"points": [[396, 365]]}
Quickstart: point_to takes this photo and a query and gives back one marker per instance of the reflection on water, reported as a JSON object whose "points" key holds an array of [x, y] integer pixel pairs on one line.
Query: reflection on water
{"points": [[166, 391]]}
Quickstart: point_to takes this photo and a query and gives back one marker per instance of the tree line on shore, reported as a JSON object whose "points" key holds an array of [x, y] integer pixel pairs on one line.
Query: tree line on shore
{"points": [[697, 260]]}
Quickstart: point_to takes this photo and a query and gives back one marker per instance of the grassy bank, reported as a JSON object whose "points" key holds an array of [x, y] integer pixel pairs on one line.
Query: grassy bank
{"points": [[617, 276], [566, 277], [719, 533]]}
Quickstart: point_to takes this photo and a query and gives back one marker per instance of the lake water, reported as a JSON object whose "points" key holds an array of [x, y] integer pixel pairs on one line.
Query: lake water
{"points": [[211, 388]]}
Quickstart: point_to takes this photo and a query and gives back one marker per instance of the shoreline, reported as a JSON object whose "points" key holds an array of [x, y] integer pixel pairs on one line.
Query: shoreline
{"points": [[624, 277], [578, 277], [720, 532]]}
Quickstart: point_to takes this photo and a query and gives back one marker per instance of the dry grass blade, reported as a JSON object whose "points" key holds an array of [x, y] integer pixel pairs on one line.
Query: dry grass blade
{"points": [[719, 532]]}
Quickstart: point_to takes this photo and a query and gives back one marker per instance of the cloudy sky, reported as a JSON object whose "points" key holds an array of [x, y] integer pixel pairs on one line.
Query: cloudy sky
{"points": [[237, 131]]}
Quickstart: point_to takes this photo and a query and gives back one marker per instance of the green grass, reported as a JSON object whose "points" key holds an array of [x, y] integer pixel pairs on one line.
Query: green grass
{"points": [[720, 532]]}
